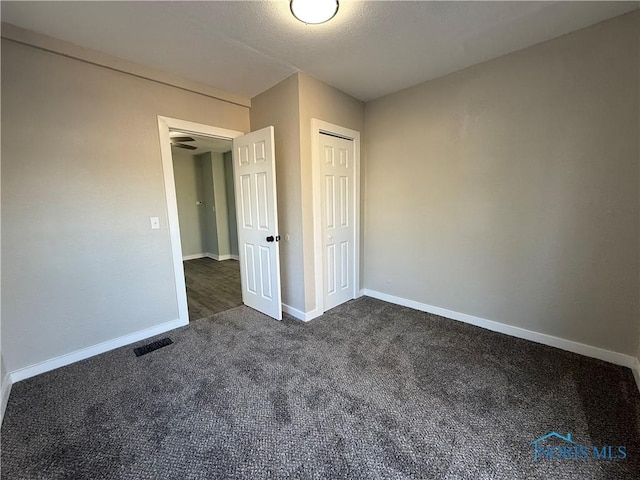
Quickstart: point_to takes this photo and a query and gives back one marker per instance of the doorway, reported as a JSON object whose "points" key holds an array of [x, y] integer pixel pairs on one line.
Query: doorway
{"points": [[253, 166], [203, 177], [165, 126]]}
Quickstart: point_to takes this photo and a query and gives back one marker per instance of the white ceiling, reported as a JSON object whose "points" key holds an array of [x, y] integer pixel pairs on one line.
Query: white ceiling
{"points": [[368, 50], [202, 144]]}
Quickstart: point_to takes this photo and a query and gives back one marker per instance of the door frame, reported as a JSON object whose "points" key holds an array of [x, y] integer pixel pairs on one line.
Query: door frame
{"points": [[318, 127], [164, 125]]}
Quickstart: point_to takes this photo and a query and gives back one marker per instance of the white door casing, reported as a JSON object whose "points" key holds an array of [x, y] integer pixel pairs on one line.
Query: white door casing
{"points": [[257, 216], [336, 176], [165, 124]]}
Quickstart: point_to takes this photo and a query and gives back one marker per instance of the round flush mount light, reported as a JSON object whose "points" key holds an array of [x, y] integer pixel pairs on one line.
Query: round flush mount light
{"points": [[314, 11]]}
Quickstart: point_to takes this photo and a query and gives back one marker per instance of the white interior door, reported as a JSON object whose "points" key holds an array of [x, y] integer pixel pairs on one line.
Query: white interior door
{"points": [[257, 215], [338, 219]]}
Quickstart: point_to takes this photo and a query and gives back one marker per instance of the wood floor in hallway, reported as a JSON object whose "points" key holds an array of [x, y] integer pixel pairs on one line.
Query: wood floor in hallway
{"points": [[212, 286]]}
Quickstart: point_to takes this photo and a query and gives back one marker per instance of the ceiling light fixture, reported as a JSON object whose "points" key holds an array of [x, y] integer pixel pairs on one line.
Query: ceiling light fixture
{"points": [[314, 11]]}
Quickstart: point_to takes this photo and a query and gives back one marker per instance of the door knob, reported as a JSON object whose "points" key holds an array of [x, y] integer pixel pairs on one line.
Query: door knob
{"points": [[271, 238]]}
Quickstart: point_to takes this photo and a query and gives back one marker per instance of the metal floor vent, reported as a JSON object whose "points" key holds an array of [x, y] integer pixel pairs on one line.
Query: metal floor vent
{"points": [[150, 347]]}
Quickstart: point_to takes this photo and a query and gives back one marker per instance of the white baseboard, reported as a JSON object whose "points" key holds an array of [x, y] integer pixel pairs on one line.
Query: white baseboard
{"points": [[194, 256], [299, 314], [221, 258], [561, 343], [210, 255], [6, 391], [68, 358]]}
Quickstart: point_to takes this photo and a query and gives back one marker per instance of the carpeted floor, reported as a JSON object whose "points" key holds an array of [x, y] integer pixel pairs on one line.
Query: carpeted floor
{"points": [[371, 390]]}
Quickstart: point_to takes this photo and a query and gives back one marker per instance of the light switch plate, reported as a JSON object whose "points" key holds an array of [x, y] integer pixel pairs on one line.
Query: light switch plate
{"points": [[155, 223]]}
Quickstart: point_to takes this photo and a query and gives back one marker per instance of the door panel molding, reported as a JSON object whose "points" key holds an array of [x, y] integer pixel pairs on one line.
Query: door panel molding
{"points": [[255, 178], [352, 213]]}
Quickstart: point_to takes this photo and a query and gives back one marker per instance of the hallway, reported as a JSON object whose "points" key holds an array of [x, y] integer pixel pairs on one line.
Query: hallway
{"points": [[212, 286]]}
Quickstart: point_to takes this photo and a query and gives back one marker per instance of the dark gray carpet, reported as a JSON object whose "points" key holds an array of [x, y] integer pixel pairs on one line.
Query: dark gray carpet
{"points": [[370, 390]]}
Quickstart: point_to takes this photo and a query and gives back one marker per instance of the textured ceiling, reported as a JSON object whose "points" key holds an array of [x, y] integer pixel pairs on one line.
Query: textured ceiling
{"points": [[368, 50]]}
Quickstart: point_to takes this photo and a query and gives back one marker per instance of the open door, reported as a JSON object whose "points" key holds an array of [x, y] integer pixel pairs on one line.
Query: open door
{"points": [[254, 176]]}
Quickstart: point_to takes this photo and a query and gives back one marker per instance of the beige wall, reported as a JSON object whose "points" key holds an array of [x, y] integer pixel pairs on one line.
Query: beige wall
{"points": [[81, 176], [509, 190], [215, 217], [279, 106], [220, 201], [204, 228], [324, 102], [188, 175], [231, 203], [211, 228]]}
